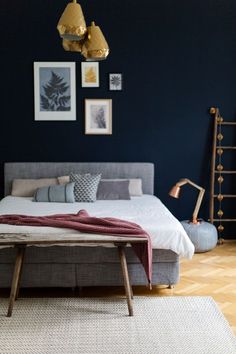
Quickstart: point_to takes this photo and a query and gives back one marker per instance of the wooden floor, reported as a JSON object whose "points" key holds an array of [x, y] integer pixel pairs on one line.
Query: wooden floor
{"points": [[212, 274], [207, 274]]}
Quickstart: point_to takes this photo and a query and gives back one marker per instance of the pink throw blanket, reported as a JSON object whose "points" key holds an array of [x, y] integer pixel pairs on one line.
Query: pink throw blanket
{"points": [[84, 223]]}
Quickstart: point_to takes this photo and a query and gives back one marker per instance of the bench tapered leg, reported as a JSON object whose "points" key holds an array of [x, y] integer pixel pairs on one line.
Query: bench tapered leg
{"points": [[16, 277], [18, 286], [128, 289]]}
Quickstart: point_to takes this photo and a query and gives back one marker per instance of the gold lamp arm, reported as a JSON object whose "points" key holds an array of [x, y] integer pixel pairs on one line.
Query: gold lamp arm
{"points": [[184, 181]]}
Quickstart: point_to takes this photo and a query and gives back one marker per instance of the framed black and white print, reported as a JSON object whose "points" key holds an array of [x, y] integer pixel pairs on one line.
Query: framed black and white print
{"points": [[98, 116], [115, 82], [54, 91]]}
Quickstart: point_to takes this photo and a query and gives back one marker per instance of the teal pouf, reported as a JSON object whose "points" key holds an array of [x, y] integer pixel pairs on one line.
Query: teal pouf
{"points": [[204, 235]]}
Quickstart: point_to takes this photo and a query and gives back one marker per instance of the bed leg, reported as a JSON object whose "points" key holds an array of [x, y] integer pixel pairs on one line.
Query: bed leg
{"points": [[80, 288], [132, 293], [15, 279]]}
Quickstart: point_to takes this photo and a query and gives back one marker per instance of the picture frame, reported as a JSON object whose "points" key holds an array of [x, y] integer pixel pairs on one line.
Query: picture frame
{"points": [[98, 116], [54, 91], [90, 74], [115, 82]]}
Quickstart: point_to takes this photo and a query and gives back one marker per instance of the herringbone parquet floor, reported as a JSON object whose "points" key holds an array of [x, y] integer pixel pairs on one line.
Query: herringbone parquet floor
{"points": [[212, 274]]}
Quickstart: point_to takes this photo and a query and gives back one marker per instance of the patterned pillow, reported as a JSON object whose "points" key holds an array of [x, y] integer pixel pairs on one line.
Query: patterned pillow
{"points": [[85, 186]]}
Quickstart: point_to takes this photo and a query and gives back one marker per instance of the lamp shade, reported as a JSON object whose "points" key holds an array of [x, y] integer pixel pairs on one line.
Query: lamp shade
{"points": [[175, 191], [95, 46], [71, 46], [71, 25]]}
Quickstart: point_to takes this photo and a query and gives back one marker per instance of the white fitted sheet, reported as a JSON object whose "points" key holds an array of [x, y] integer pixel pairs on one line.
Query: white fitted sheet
{"points": [[148, 211]]}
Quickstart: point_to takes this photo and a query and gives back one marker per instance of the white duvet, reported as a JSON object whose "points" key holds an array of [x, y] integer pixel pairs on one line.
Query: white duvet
{"points": [[165, 230]]}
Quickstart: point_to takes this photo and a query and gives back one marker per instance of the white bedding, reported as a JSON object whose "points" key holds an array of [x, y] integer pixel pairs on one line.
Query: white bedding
{"points": [[165, 230]]}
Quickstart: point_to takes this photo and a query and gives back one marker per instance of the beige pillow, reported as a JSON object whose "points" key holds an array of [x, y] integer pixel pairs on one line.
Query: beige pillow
{"points": [[28, 187], [135, 187], [63, 179]]}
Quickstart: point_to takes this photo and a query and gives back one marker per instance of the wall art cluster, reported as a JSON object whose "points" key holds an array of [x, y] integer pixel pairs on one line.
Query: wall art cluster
{"points": [[55, 94]]}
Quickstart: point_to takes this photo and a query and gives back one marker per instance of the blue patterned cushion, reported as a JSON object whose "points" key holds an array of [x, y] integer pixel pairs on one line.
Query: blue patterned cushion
{"points": [[57, 194], [85, 186]]}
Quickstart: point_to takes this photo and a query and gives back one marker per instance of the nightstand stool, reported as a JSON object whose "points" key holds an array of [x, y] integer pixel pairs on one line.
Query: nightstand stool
{"points": [[203, 235]]}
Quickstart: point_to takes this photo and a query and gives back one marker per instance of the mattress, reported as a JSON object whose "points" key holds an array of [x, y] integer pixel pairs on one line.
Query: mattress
{"points": [[148, 211]]}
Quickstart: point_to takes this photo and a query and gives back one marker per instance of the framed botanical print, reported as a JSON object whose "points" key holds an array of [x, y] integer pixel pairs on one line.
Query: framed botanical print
{"points": [[54, 91], [90, 74], [115, 82], [98, 116]]}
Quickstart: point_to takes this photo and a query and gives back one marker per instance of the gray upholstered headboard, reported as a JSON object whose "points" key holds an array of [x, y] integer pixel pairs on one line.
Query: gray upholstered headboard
{"points": [[143, 170]]}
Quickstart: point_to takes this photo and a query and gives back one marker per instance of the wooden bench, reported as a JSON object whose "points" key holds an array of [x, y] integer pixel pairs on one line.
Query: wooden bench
{"points": [[21, 241]]}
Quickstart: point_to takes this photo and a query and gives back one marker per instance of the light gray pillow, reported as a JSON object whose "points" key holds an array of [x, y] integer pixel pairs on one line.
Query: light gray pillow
{"points": [[113, 190], [56, 194], [86, 186]]}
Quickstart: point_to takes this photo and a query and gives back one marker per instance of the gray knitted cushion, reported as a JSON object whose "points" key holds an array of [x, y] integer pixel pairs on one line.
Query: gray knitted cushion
{"points": [[85, 186], [113, 190], [57, 194]]}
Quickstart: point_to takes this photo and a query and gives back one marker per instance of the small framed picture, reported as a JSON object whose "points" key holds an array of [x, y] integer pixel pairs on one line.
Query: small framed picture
{"points": [[115, 82], [90, 74], [54, 91], [98, 116]]}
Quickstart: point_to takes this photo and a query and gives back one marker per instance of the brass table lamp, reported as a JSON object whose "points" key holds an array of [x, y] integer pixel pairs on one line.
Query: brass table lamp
{"points": [[175, 191]]}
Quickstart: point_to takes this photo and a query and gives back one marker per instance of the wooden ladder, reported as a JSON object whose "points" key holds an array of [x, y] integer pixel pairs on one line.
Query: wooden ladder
{"points": [[218, 172]]}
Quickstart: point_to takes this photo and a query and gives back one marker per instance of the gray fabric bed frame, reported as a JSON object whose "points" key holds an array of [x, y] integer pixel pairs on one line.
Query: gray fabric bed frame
{"points": [[83, 266]]}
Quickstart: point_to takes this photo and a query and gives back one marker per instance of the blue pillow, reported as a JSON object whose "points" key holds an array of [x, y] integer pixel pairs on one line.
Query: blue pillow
{"points": [[56, 194]]}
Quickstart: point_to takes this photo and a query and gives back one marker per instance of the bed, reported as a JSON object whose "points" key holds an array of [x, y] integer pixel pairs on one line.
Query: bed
{"points": [[60, 266]]}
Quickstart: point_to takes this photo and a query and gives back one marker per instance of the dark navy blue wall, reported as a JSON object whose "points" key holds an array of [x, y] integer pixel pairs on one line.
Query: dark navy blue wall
{"points": [[178, 59]]}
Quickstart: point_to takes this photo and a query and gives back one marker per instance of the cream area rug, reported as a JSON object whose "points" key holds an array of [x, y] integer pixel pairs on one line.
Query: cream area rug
{"points": [[161, 325]]}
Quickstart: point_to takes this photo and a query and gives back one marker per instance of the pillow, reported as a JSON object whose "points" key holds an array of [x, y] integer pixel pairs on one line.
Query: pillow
{"points": [[135, 187], [113, 190], [28, 187], [56, 194], [86, 186], [63, 179], [135, 184]]}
